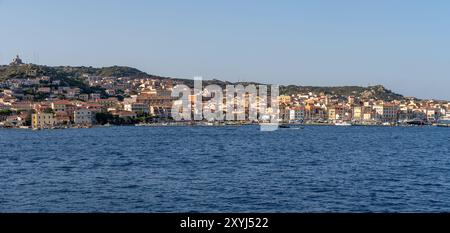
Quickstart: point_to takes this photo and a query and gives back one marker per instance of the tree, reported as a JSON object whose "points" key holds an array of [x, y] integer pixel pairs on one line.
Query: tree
{"points": [[5, 112], [104, 118]]}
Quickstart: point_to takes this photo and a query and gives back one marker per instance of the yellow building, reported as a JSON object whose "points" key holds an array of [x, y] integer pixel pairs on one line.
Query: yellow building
{"points": [[332, 114], [367, 114], [357, 113], [42, 120], [284, 99]]}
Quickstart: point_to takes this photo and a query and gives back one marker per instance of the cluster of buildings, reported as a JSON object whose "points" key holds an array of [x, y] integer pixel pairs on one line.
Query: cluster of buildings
{"points": [[44, 102], [127, 85], [323, 108], [81, 110], [79, 113]]}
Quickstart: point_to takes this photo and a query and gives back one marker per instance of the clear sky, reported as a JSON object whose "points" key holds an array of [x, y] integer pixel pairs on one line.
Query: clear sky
{"points": [[402, 44]]}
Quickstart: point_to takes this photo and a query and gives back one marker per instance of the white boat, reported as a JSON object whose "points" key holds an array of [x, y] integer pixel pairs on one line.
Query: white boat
{"points": [[342, 124], [269, 127], [444, 120], [142, 125]]}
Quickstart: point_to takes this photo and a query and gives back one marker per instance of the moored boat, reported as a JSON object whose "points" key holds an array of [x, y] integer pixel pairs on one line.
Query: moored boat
{"points": [[284, 126], [342, 124]]}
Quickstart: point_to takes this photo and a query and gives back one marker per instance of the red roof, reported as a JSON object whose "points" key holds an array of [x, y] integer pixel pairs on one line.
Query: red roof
{"points": [[124, 113], [62, 102], [389, 105]]}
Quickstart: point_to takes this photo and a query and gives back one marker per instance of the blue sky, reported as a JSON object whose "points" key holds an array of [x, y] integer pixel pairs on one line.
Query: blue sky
{"points": [[402, 44]]}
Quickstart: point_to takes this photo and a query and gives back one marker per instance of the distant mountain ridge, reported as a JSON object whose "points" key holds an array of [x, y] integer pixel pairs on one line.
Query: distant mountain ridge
{"points": [[72, 75]]}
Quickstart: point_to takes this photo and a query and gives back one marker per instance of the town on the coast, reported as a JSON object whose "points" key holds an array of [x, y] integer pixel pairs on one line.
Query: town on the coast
{"points": [[40, 97]]}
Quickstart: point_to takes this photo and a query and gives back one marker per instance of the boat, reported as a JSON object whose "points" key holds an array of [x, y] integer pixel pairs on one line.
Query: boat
{"points": [[269, 126], [444, 121], [142, 125], [342, 124], [202, 123], [419, 122]]}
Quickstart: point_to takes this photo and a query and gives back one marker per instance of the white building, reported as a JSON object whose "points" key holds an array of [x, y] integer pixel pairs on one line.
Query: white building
{"points": [[297, 114], [137, 108], [83, 116], [95, 96], [386, 112]]}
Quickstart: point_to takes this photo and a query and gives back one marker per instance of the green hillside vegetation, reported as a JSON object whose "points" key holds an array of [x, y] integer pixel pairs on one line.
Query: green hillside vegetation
{"points": [[73, 76], [375, 92]]}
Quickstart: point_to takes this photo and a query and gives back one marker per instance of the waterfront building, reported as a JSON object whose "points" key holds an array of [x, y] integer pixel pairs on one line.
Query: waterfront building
{"points": [[14, 120], [159, 102], [314, 112], [108, 103], [332, 113], [432, 114], [297, 114], [367, 117], [406, 114], [94, 107], [386, 112], [137, 108], [60, 105], [42, 120], [284, 114], [61, 118], [124, 114], [357, 113], [41, 106], [419, 114], [337, 112], [83, 116], [63, 106]]}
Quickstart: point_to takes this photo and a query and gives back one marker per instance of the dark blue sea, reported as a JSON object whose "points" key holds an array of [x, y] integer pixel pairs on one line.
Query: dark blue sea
{"points": [[225, 169]]}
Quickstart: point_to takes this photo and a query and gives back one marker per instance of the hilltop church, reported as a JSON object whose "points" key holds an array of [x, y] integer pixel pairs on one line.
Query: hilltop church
{"points": [[16, 61]]}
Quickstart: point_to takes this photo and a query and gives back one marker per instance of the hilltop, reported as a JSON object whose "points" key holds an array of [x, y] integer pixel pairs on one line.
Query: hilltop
{"points": [[32, 70], [371, 92], [74, 76]]}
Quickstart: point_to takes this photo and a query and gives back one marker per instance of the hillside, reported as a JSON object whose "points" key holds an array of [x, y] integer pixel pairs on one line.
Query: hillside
{"points": [[31, 70], [73, 76], [375, 92]]}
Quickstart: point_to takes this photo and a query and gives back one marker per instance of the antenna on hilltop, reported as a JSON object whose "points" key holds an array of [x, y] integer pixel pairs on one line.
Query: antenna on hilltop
{"points": [[36, 58]]}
